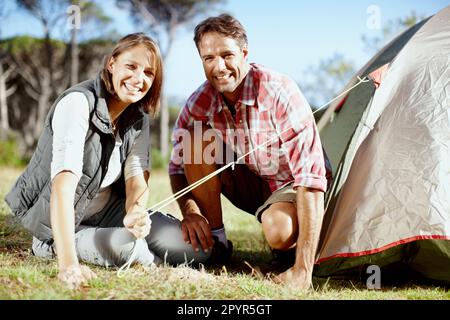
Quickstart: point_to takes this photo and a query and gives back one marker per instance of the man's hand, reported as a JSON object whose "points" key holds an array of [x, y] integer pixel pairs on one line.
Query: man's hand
{"points": [[296, 278], [75, 275], [196, 229], [138, 222]]}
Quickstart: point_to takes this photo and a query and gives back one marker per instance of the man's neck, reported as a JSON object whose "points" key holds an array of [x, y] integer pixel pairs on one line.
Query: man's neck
{"points": [[231, 98]]}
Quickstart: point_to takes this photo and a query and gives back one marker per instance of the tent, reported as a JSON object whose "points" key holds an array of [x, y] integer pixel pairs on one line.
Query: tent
{"points": [[389, 204]]}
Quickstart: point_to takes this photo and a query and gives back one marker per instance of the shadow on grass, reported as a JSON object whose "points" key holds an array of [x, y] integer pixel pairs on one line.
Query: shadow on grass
{"points": [[13, 237]]}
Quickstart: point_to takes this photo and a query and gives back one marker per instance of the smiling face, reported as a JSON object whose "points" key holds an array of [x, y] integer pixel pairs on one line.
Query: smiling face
{"points": [[132, 74], [224, 62]]}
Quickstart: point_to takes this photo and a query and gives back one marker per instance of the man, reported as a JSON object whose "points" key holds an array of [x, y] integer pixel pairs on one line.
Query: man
{"points": [[282, 183]]}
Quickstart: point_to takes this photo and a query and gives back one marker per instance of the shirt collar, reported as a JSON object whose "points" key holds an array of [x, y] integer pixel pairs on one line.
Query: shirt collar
{"points": [[248, 94]]}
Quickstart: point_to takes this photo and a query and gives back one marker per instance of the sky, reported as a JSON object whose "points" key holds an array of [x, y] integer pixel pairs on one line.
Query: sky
{"points": [[284, 35]]}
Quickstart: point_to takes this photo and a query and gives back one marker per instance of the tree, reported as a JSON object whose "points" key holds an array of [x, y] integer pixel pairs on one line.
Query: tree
{"points": [[5, 92], [390, 29], [50, 14], [323, 82], [41, 79], [43, 82], [82, 13], [163, 19], [34, 85], [27, 109], [6, 71]]}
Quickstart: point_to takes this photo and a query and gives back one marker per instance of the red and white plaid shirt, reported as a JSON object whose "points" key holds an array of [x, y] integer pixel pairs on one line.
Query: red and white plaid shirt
{"points": [[271, 107]]}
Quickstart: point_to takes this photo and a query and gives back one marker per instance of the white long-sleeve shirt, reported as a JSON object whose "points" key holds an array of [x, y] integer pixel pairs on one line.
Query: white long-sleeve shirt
{"points": [[70, 125]]}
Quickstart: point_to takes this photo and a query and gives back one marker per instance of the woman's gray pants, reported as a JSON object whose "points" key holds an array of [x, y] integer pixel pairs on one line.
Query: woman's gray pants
{"points": [[104, 241]]}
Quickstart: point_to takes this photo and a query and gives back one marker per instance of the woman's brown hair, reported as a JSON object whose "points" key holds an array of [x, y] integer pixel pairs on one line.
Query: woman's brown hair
{"points": [[151, 101]]}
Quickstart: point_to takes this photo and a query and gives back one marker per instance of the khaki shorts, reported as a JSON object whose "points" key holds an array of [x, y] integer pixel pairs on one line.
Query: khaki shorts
{"points": [[250, 193], [284, 194]]}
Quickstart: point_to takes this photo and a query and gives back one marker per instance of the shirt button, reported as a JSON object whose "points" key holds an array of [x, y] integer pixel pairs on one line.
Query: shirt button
{"points": [[240, 121]]}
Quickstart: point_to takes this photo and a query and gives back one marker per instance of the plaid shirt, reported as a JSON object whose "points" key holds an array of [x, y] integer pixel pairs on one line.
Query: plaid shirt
{"points": [[271, 107]]}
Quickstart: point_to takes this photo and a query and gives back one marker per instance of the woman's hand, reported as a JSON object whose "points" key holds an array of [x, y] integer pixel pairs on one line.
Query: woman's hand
{"points": [[76, 275], [138, 222], [137, 219]]}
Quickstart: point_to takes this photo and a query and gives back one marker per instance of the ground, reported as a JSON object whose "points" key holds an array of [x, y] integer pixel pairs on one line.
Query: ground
{"points": [[23, 276]]}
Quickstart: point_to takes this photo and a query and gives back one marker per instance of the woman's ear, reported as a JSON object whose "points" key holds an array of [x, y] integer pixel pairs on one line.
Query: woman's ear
{"points": [[111, 64]]}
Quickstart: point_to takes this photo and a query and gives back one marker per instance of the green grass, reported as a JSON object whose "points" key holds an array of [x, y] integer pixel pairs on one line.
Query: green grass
{"points": [[23, 276]]}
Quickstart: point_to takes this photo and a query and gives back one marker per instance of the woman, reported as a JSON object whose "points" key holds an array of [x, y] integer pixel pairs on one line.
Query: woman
{"points": [[91, 167]]}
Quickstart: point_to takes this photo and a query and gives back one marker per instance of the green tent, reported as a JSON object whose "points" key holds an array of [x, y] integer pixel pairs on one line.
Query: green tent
{"points": [[389, 145]]}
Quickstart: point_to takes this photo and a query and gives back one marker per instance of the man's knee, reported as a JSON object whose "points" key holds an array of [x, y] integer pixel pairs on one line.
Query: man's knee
{"points": [[280, 225]]}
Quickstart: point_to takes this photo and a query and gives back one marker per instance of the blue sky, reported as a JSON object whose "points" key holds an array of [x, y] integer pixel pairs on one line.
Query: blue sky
{"points": [[285, 35]]}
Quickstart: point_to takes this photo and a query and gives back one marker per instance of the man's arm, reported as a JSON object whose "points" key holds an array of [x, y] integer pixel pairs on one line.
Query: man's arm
{"points": [[194, 226], [310, 212], [187, 203]]}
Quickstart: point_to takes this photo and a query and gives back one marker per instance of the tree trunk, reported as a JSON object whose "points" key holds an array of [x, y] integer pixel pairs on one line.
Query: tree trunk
{"points": [[4, 123], [43, 105], [164, 126], [74, 57], [164, 139]]}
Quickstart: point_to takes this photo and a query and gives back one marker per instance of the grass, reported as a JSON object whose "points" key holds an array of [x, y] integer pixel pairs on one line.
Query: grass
{"points": [[23, 276]]}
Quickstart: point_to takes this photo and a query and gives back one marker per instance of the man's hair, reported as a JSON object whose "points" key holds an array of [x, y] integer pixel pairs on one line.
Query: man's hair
{"points": [[223, 24], [151, 101]]}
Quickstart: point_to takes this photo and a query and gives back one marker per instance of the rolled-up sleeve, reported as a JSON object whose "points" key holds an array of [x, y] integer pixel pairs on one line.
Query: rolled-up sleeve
{"points": [[176, 165], [70, 124], [300, 138], [138, 161]]}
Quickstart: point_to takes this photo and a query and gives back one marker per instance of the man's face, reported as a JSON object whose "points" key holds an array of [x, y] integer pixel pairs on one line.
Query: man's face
{"points": [[224, 62]]}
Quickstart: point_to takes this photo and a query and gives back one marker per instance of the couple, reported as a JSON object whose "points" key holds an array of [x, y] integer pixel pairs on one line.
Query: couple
{"points": [[84, 192]]}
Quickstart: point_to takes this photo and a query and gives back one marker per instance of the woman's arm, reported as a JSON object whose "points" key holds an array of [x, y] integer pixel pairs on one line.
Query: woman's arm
{"points": [[137, 220], [62, 215], [70, 124], [136, 171]]}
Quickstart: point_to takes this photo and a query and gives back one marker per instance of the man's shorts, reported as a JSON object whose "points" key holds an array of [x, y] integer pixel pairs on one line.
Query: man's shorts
{"points": [[250, 193]]}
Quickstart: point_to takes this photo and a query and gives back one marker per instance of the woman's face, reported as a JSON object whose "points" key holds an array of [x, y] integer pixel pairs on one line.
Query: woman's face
{"points": [[133, 72]]}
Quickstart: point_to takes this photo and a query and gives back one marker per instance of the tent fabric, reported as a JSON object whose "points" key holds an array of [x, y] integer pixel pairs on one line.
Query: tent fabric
{"points": [[392, 160], [377, 75]]}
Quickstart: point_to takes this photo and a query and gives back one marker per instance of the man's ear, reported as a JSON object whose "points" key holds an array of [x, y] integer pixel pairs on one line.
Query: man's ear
{"points": [[245, 52]]}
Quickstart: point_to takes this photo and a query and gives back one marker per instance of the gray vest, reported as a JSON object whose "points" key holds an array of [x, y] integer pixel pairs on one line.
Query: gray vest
{"points": [[29, 199]]}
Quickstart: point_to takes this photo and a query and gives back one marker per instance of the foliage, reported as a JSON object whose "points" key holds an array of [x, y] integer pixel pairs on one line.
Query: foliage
{"points": [[9, 153], [391, 29], [323, 82], [158, 160], [27, 45]]}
